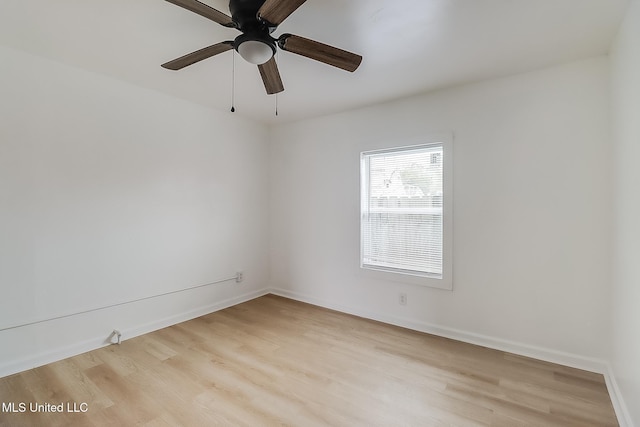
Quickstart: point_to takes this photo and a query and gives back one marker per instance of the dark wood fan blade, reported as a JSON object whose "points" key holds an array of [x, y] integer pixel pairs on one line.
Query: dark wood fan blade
{"points": [[276, 11], [206, 11], [271, 76], [320, 52], [198, 55]]}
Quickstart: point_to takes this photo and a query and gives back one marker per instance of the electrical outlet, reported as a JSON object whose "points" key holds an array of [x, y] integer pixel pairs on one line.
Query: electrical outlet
{"points": [[239, 276], [402, 298]]}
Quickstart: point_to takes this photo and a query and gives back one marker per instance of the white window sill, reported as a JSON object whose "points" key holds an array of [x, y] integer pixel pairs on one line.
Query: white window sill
{"points": [[445, 282]]}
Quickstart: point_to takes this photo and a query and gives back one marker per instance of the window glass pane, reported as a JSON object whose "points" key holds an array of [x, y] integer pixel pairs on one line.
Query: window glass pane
{"points": [[402, 224]]}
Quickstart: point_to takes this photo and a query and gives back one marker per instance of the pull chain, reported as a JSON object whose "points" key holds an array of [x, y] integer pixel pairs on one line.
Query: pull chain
{"points": [[233, 83], [277, 58]]}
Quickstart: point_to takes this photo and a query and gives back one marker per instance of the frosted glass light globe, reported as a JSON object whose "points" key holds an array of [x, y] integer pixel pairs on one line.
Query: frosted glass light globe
{"points": [[255, 52]]}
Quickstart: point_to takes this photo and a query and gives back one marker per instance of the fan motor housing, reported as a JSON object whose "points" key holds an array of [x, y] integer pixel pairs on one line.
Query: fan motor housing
{"points": [[255, 36], [245, 14]]}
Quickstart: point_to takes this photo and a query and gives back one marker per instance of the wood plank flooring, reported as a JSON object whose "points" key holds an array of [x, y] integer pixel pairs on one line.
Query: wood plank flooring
{"points": [[274, 361]]}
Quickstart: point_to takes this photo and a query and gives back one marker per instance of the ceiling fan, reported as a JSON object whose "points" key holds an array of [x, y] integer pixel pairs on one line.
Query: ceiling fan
{"points": [[257, 19]]}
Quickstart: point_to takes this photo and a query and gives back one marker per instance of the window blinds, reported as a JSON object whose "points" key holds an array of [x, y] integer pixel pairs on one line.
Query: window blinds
{"points": [[401, 204]]}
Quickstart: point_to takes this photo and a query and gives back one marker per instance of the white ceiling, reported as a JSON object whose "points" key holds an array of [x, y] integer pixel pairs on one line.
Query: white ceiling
{"points": [[409, 46]]}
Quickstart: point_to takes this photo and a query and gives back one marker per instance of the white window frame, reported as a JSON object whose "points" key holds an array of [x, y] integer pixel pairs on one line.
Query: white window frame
{"points": [[445, 281]]}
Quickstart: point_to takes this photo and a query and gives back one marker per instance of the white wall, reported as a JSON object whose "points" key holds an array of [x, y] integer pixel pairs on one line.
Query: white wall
{"points": [[531, 212], [626, 236], [109, 192]]}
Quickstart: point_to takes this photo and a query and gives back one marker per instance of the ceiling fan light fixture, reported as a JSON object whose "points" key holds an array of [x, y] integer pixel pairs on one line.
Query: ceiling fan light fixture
{"points": [[257, 20], [256, 51]]}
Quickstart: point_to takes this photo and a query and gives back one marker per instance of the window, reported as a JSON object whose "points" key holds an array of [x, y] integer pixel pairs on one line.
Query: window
{"points": [[405, 212]]}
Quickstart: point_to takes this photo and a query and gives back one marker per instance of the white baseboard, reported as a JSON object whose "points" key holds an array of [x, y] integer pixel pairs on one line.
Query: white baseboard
{"points": [[57, 354], [567, 359], [191, 314], [619, 405], [13, 367]]}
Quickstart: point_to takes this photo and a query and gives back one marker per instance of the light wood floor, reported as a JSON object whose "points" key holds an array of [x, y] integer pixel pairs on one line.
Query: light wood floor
{"points": [[273, 361]]}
